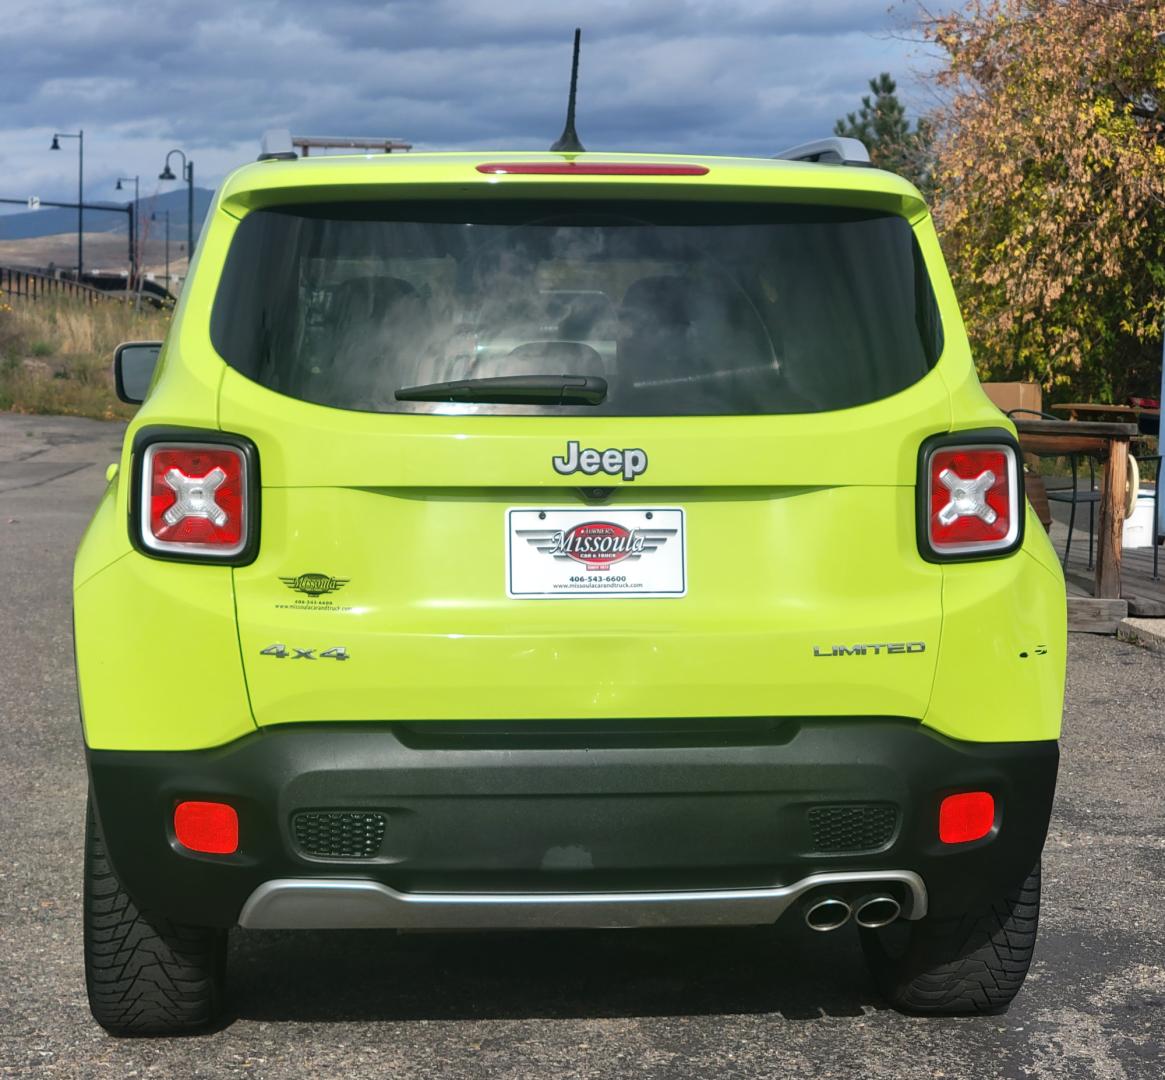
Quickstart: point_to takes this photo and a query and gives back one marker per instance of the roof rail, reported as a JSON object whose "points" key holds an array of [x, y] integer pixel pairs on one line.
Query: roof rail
{"points": [[832, 151], [276, 146], [280, 145]]}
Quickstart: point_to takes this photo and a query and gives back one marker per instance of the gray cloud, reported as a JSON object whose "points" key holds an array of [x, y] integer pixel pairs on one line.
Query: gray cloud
{"points": [[701, 76]]}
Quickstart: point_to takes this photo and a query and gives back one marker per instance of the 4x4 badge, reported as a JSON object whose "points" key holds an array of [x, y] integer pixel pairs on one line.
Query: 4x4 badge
{"points": [[631, 463], [314, 584]]}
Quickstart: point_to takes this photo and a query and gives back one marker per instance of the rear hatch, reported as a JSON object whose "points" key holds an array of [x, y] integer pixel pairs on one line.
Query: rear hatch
{"points": [[728, 532]]}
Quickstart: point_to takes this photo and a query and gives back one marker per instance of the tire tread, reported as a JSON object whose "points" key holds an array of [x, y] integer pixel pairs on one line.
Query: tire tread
{"points": [[144, 975], [966, 966]]}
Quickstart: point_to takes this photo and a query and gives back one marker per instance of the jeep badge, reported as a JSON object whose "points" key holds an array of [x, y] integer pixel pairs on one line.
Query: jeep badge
{"points": [[631, 463]]}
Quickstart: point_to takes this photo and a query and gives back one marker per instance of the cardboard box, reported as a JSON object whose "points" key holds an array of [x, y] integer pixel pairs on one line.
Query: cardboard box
{"points": [[1015, 395]]}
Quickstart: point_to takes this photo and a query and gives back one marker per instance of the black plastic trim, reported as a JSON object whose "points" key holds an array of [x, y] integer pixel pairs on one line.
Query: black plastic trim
{"points": [[974, 437], [146, 437], [572, 818]]}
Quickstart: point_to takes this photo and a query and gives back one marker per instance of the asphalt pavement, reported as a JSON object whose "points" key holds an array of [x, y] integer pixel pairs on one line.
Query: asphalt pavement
{"points": [[774, 1002]]}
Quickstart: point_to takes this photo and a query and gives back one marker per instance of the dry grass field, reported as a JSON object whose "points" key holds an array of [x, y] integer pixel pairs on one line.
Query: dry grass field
{"points": [[103, 251], [56, 355]]}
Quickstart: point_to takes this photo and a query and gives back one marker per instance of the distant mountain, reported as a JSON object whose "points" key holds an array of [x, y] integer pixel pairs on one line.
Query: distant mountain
{"points": [[52, 221]]}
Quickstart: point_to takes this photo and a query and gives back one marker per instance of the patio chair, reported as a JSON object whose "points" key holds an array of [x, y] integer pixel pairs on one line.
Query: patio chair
{"points": [[1070, 493], [1158, 536], [1152, 426]]}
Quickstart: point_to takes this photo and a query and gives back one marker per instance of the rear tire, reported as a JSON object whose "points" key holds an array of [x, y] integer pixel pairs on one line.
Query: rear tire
{"points": [[145, 975], [959, 967]]}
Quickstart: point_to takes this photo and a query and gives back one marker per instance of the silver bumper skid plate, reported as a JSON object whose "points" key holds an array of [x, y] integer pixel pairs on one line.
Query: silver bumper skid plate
{"points": [[345, 904]]}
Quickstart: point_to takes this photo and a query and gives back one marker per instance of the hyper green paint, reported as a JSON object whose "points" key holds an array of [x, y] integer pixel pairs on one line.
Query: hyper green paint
{"points": [[801, 537]]}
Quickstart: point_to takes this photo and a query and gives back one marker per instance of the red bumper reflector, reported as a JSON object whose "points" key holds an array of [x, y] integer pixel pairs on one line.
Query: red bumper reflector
{"points": [[588, 168], [966, 817], [210, 827]]}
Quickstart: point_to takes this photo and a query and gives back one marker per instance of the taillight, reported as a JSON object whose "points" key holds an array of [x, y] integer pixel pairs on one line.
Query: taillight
{"points": [[195, 500], [968, 816], [970, 497], [209, 827]]}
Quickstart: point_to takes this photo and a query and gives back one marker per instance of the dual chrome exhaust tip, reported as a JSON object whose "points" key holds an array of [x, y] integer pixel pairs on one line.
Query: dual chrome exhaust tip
{"points": [[875, 910]]}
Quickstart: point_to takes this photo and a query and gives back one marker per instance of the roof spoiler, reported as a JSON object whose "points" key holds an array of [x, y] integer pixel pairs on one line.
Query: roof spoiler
{"points": [[832, 151]]}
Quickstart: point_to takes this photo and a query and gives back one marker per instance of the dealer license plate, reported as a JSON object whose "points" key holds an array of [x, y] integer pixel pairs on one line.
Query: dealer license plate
{"points": [[628, 552]]}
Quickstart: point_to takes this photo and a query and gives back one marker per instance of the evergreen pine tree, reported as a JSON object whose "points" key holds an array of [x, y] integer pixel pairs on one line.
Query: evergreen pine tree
{"points": [[882, 125]]}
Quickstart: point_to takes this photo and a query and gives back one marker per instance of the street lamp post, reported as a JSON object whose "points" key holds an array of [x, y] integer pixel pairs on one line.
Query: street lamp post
{"points": [[154, 217], [188, 175], [79, 135], [134, 254]]}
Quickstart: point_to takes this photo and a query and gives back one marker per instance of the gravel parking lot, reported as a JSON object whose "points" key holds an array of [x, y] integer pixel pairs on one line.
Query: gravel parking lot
{"points": [[774, 1002]]}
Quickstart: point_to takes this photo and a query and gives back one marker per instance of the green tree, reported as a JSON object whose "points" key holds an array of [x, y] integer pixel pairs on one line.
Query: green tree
{"points": [[882, 125], [1050, 188]]}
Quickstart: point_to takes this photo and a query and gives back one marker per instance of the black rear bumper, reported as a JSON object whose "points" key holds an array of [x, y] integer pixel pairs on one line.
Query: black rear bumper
{"points": [[561, 808]]}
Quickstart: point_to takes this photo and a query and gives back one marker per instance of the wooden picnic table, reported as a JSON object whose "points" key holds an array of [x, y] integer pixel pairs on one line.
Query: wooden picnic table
{"points": [[1108, 441], [1113, 412]]}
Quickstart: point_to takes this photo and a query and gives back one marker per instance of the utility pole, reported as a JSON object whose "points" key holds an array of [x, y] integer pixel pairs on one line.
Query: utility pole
{"points": [[166, 216], [134, 253]]}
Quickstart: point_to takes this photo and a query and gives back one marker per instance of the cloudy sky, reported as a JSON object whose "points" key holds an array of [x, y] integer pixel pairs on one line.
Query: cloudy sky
{"points": [[142, 76]]}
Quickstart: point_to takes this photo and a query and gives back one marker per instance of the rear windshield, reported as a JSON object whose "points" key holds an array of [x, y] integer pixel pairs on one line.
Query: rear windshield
{"points": [[682, 308]]}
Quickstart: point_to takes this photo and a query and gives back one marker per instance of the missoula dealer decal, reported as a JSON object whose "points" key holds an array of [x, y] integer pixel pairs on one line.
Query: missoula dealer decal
{"points": [[315, 587], [314, 584], [870, 650]]}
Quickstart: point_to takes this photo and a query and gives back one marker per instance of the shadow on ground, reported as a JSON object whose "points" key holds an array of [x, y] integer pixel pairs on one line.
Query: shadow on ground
{"points": [[363, 975]]}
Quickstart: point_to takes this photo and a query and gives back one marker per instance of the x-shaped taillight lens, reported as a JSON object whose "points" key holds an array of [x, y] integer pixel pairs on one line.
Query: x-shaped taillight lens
{"points": [[194, 499], [972, 495], [968, 497]]}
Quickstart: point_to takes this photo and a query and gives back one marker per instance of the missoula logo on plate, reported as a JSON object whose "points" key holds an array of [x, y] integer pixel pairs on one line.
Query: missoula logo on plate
{"points": [[598, 544]]}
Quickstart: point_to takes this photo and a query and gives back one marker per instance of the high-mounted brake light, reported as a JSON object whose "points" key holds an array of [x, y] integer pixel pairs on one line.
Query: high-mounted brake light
{"points": [[971, 500], [968, 816], [587, 168], [194, 499], [209, 827]]}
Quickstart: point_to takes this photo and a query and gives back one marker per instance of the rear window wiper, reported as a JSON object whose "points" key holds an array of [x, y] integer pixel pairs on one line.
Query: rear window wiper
{"points": [[513, 390]]}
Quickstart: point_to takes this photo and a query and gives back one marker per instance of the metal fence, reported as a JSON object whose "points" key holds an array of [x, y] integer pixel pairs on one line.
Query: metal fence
{"points": [[24, 285]]}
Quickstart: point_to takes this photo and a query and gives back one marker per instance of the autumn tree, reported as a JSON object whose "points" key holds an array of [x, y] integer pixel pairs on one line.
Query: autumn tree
{"points": [[1050, 187], [882, 125]]}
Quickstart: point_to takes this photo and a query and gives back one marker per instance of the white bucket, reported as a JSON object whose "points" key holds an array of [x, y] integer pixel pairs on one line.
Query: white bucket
{"points": [[1139, 524]]}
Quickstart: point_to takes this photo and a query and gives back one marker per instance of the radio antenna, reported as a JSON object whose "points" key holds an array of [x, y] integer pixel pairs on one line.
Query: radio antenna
{"points": [[568, 141]]}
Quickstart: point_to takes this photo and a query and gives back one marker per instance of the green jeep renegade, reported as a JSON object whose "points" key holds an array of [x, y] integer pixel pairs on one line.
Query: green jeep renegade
{"points": [[564, 540]]}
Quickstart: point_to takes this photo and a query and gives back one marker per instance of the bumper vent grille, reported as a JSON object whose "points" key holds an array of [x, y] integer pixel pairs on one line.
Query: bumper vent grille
{"points": [[339, 834], [855, 827]]}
